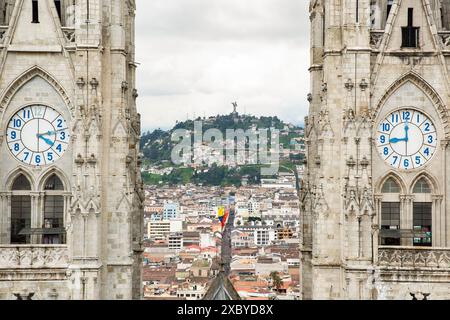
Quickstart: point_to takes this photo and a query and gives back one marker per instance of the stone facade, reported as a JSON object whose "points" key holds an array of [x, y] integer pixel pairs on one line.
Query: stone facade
{"points": [[78, 59], [364, 66]]}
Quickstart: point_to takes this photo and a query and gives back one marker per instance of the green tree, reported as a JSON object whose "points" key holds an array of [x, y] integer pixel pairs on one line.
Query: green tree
{"points": [[276, 279]]}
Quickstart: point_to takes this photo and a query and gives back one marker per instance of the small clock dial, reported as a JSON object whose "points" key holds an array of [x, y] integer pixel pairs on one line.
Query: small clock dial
{"points": [[406, 139], [37, 135]]}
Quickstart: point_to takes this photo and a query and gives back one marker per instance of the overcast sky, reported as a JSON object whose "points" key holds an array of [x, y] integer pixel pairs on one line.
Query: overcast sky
{"points": [[198, 56]]}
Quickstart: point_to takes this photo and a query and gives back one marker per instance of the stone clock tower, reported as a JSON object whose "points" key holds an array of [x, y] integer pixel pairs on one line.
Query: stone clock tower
{"points": [[376, 196], [70, 188]]}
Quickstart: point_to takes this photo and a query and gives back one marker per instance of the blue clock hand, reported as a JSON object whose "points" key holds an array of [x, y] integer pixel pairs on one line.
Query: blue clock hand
{"points": [[49, 133], [47, 141], [395, 140], [406, 131]]}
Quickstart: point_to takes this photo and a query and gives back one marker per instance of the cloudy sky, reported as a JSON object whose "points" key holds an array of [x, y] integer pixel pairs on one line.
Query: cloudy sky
{"points": [[198, 56]]}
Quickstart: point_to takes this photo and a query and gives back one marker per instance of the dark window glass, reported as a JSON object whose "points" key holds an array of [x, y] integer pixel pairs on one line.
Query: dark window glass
{"points": [[422, 186], [389, 7], [54, 220], [58, 8], [21, 184], [357, 10], [20, 219], [54, 183], [390, 223], [410, 17], [410, 34], [422, 222], [410, 37], [35, 8], [390, 186], [323, 27]]}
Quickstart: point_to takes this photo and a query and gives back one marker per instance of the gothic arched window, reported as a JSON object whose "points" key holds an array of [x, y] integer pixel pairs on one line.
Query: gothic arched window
{"points": [[422, 214], [390, 186], [390, 214], [20, 210], [422, 186], [53, 220]]}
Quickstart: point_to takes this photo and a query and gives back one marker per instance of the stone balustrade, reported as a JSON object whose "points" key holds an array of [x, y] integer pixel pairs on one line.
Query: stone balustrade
{"points": [[414, 257], [376, 36], [33, 256], [69, 35], [3, 30], [444, 37]]}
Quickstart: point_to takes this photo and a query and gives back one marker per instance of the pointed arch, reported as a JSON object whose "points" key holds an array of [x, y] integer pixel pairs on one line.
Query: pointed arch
{"points": [[391, 175], [432, 182], [426, 88], [120, 129], [13, 175], [49, 173], [21, 183], [123, 204], [24, 78]]}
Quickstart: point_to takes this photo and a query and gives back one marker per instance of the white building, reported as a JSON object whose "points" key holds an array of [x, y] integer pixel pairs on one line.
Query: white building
{"points": [[159, 230], [175, 241], [171, 211], [264, 236]]}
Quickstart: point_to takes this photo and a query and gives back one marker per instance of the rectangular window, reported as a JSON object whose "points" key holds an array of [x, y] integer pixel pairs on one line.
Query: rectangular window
{"points": [[58, 8], [389, 7], [54, 220], [410, 34], [410, 37], [410, 17], [35, 11], [390, 224], [20, 219], [323, 27], [357, 11], [422, 221]]}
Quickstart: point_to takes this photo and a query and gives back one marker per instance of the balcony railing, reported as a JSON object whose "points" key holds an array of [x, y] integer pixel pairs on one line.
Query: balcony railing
{"points": [[414, 257], [33, 256]]}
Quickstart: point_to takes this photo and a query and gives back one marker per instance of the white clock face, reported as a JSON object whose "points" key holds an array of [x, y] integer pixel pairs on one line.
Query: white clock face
{"points": [[406, 139], [37, 135]]}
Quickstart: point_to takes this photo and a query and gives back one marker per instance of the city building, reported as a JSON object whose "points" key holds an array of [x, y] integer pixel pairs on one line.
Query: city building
{"points": [[160, 229], [171, 211], [376, 191], [175, 241], [264, 236], [70, 193], [196, 250]]}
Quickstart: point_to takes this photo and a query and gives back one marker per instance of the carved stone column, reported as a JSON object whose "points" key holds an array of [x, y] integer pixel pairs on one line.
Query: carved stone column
{"points": [[376, 226], [3, 218], [446, 220], [36, 216], [438, 221], [406, 217], [8, 217]]}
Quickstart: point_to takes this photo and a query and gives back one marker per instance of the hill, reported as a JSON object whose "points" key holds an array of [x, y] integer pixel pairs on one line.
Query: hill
{"points": [[157, 147]]}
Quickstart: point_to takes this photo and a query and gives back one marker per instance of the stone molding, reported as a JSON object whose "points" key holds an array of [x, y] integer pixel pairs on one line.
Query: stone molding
{"points": [[414, 257], [33, 256]]}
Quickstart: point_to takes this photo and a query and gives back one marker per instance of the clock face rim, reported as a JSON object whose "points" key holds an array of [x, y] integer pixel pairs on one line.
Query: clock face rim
{"points": [[67, 129], [377, 133]]}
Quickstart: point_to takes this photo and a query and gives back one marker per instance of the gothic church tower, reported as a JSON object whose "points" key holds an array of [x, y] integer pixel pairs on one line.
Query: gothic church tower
{"points": [[376, 193], [70, 188]]}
